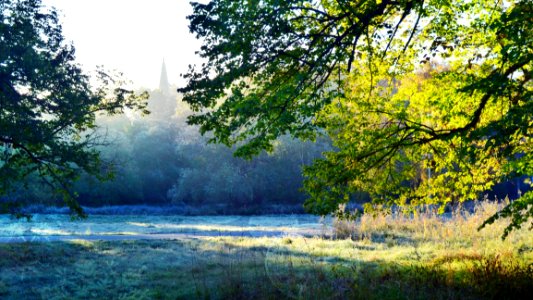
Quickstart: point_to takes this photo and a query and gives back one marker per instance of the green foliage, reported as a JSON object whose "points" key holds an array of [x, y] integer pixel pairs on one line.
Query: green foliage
{"points": [[47, 105], [427, 102], [519, 211]]}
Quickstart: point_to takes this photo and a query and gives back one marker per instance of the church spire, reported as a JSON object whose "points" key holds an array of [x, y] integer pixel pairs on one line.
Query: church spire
{"points": [[164, 86]]}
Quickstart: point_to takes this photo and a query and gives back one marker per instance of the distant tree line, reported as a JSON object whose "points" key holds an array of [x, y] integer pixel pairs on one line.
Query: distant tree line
{"points": [[159, 160]]}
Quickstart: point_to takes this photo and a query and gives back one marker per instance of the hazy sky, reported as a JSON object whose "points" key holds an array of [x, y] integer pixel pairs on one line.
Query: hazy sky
{"points": [[132, 36]]}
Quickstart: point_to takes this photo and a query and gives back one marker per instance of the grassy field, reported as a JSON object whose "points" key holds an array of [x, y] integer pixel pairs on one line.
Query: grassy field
{"points": [[378, 257], [104, 225]]}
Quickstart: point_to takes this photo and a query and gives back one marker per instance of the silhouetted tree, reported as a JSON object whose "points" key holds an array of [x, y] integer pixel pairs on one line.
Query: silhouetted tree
{"points": [[47, 104]]}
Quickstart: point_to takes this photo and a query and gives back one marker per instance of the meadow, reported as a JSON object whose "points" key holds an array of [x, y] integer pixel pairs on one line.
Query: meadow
{"points": [[381, 256]]}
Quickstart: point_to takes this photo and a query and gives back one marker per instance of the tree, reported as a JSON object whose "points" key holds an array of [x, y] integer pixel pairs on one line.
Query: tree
{"points": [[47, 104], [354, 70]]}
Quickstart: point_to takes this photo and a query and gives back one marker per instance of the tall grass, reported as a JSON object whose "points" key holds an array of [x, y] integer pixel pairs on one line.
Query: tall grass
{"points": [[425, 223], [449, 250]]}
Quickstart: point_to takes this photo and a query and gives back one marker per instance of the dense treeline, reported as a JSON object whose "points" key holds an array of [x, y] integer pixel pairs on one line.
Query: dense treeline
{"points": [[158, 159]]}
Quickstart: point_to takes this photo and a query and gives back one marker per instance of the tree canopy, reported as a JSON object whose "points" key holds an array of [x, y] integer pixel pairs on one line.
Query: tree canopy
{"points": [[47, 104], [426, 101]]}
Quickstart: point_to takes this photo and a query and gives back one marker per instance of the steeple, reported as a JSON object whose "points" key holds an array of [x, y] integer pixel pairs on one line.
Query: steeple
{"points": [[164, 86]]}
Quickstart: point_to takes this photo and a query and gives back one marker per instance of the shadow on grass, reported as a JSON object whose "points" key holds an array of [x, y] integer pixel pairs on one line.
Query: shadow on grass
{"points": [[242, 269]]}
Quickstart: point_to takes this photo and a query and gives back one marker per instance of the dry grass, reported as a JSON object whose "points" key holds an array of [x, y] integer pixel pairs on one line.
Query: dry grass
{"points": [[427, 225]]}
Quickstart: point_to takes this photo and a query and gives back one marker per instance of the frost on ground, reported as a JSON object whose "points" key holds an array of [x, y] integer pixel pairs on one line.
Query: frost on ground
{"points": [[381, 256], [105, 226]]}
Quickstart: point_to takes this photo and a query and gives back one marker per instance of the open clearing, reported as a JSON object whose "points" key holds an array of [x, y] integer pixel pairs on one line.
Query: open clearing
{"points": [[130, 227], [264, 257]]}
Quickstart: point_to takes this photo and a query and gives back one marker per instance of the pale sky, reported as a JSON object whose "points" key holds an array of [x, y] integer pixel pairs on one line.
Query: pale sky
{"points": [[131, 36]]}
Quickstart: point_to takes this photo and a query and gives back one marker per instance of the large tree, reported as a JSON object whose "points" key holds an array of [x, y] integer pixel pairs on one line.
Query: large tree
{"points": [[47, 104], [403, 87]]}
